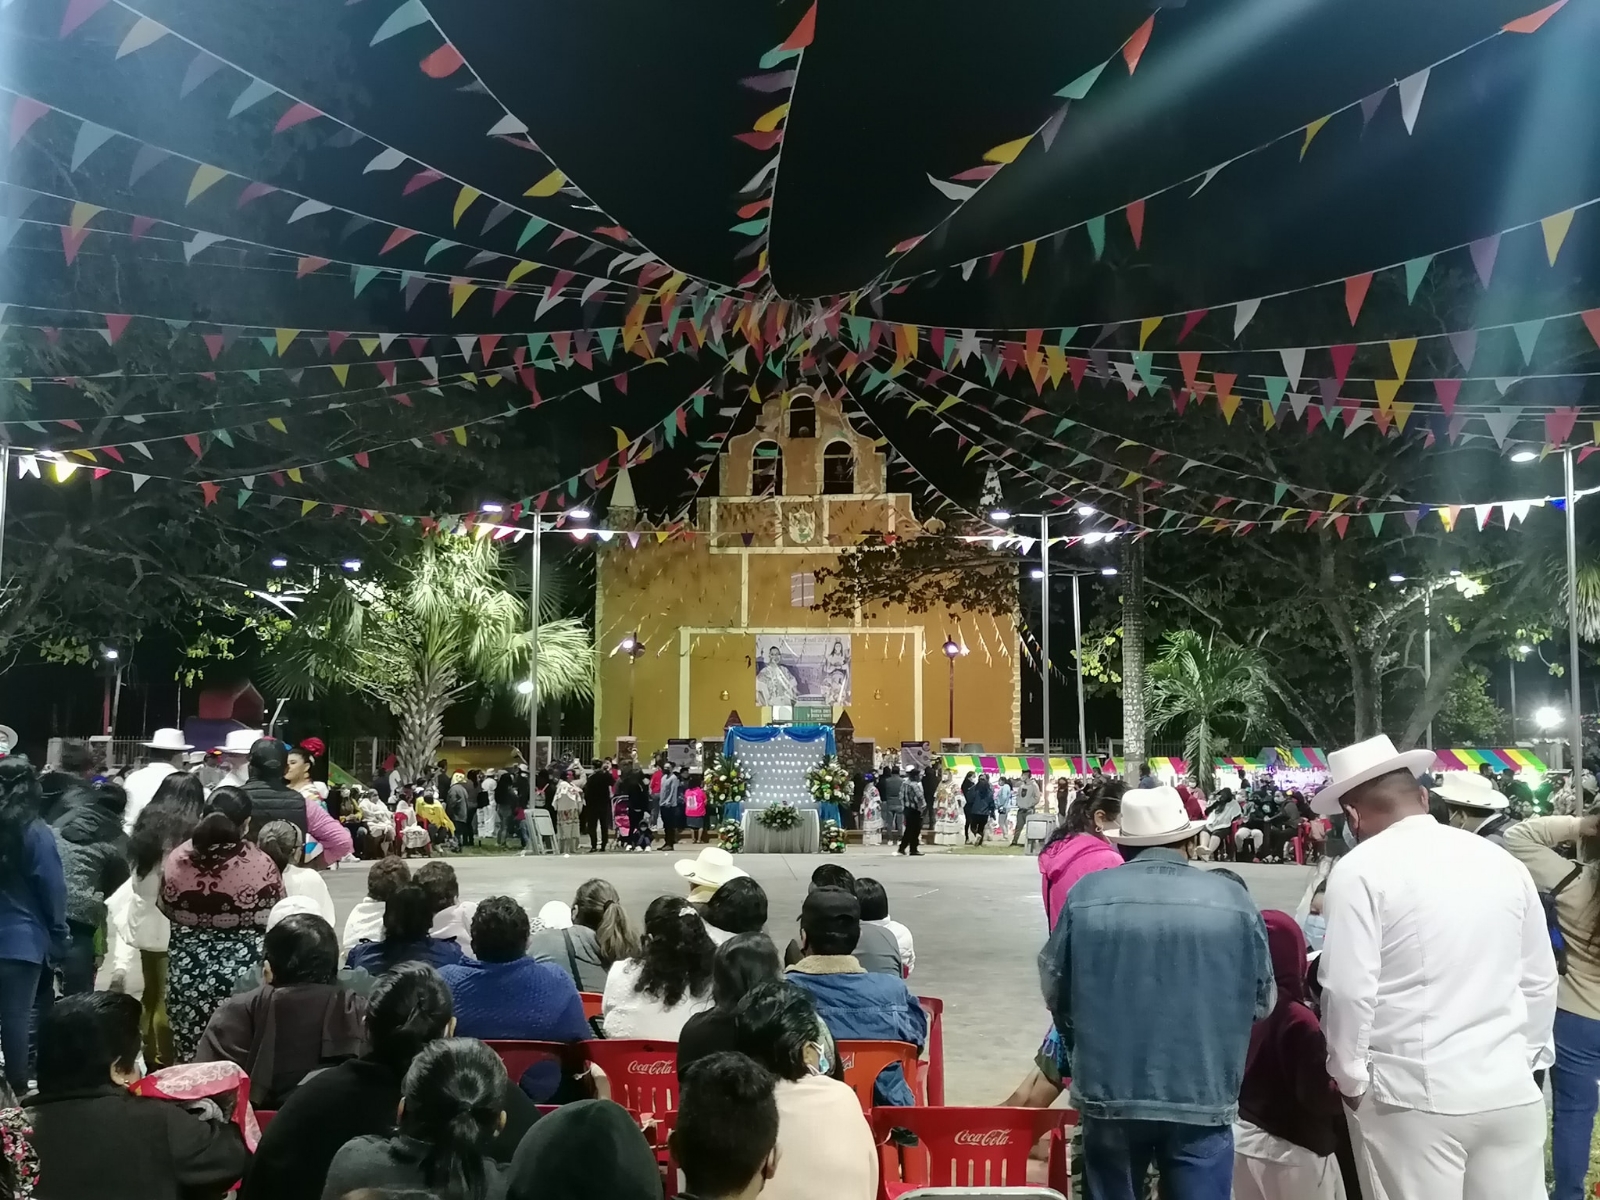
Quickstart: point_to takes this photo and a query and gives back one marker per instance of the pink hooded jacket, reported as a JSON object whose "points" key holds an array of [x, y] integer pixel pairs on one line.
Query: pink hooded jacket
{"points": [[1069, 860]]}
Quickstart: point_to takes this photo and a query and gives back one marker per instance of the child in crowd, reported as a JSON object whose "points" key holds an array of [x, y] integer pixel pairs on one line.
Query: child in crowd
{"points": [[365, 922]]}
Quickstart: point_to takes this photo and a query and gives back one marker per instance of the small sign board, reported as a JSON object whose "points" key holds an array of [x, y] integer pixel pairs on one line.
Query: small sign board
{"points": [[813, 714]]}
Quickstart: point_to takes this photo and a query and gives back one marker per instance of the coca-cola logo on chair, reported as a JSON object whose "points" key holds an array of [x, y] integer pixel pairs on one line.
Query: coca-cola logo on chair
{"points": [[848, 1062], [984, 1137], [661, 1067]]}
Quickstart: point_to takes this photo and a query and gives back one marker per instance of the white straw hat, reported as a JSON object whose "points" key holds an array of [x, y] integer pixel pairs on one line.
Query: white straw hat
{"points": [[1470, 790], [239, 741], [168, 739], [1362, 763], [713, 868], [1153, 817]]}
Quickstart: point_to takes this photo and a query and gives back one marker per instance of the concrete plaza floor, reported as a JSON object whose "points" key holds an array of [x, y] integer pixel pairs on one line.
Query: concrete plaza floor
{"points": [[978, 921]]}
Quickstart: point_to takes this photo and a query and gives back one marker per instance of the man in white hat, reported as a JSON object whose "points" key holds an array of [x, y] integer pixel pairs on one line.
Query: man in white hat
{"points": [[1476, 805], [1438, 991], [706, 873], [235, 751], [167, 749], [1155, 973]]}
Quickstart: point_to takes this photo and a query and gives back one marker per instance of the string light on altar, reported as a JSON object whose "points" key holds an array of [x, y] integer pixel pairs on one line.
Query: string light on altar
{"points": [[352, 565], [279, 563]]}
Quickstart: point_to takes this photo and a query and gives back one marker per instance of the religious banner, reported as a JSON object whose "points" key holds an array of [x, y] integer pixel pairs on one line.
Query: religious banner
{"points": [[802, 669]]}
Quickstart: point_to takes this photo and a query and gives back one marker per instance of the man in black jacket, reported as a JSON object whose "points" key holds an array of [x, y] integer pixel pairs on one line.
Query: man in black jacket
{"points": [[271, 799], [597, 805]]}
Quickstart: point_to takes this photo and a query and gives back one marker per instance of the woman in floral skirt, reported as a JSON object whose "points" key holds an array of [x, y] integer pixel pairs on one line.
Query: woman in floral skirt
{"points": [[216, 889]]}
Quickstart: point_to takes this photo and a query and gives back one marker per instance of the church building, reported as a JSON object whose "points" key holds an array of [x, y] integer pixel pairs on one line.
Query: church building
{"points": [[690, 630]]}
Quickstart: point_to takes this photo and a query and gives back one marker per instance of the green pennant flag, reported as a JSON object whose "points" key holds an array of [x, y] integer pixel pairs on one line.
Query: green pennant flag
{"points": [[347, 462], [572, 486], [1068, 332], [860, 330], [699, 406], [253, 376], [608, 339], [269, 344], [875, 379], [1079, 87], [1064, 423], [536, 343], [669, 430], [1277, 385], [1168, 519], [243, 496], [1278, 490], [1143, 362], [1081, 458], [1096, 227], [534, 225], [992, 365], [1375, 519], [750, 227], [224, 437], [441, 244], [363, 276], [1415, 270]]}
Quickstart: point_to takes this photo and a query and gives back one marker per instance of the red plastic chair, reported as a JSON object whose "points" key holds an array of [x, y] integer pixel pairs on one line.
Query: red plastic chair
{"points": [[643, 1074], [520, 1057], [970, 1147], [862, 1060], [591, 1004], [930, 1075]]}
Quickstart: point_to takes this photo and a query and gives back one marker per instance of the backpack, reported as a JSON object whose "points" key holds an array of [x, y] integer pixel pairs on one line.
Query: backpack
{"points": [[1558, 941]]}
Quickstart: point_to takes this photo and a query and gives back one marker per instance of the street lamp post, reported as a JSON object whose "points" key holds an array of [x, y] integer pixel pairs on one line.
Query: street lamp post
{"points": [[1077, 650], [1576, 715], [633, 648], [1427, 650], [1044, 636], [533, 652], [951, 651]]}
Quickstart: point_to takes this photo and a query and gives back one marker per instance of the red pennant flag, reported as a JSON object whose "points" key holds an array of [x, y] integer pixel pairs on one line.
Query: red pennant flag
{"points": [[1190, 320], [1447, 390], [936, 340], [395, 238], [683, 420], [1558, 425], [70, 424], [1224, 382], [1313, 418], [1135, 214], [335, 340], [621, 380], [1341, 523], [442, 63], [1591, 322], [1341, 356], [1180, 400], [277, 478], [502, 297], [1075, 368], [440, 437], [115, 324], [404, 399], [419, 346], [803, 32], [421, 180], [101, 472], [192, 440], [1533, 20], [298, 114], [139, 226], [486, 344], [211, 491], [360, 457], [1190, 361], [1133, 48], [310, 263], [113, 452], [1355, 293]]}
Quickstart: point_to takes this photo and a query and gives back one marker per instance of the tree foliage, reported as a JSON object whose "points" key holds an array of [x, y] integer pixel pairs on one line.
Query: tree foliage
{"points": [[1215, 689], [449, 625]]}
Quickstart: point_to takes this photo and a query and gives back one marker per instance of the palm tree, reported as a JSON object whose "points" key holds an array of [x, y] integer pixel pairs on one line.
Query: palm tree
{"points": [[1216, 687], [449, 624]]}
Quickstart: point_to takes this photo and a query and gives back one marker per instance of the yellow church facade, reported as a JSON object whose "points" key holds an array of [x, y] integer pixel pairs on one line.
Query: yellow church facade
{"points": [[688, 631]]}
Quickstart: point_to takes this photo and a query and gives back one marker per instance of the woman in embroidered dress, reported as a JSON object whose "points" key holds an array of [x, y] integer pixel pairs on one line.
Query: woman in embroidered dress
{"points": [[216, 889], [568, 805]]}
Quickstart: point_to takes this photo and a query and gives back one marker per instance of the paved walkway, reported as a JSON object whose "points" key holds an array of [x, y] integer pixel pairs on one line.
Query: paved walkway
{"points": [[978, 921]]}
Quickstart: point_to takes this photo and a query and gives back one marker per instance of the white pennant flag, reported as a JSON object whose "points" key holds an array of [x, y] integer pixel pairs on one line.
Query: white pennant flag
{"points": [[1243, 312], [1294, 362], [1484, 513], [1411, 89], [139, 481]]}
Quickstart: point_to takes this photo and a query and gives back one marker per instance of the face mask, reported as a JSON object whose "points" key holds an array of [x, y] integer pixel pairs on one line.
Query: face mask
{"points": [[823, 1067], [1316, 929]]}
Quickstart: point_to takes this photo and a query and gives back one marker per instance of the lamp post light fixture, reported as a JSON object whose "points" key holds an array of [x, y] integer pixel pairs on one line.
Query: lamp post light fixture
{"points": [[352, 565], [1524, 456], [1108, 571], [952, 651], [279, 563], [525, 687], [578, 514], [489, 506], [999, 515], [633, 648], [1547, 717]]}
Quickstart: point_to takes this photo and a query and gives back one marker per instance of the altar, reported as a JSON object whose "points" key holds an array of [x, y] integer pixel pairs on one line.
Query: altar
{"points": [[779, 757]]}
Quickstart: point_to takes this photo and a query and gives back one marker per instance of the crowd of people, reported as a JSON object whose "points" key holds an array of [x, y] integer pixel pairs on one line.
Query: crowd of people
{"points": [[369, 1046]]}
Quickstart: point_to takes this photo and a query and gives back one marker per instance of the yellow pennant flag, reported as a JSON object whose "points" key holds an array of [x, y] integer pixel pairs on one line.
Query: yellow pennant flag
{"points": [[1267, 419], [1132, 477], [1386, 389], [1336, 499], [1230, 405], [768, 121], [1555, 229], [971, 454], [522, 267], [86, 454], [622, 438], [1402, 414], [1056, 359], [341, 372], [1146, 328], [1007, 151], [368, 345], [908, 341], [492, 380], [285, 338], [82, 214], [1027, 258], [461, 434], [277, 423], [460, 292], [463, 202], [548, 186], [1400, 352], [205, 177], [379, 519], [294, 474], [306, 506], [1311, 131], [947, 402], [661, 536]]}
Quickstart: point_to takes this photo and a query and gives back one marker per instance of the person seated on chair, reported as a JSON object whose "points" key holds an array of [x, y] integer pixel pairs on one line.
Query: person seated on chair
{"points": [[877, 951], [825, 1146], [856, 1004], [741, 963], [285, 845], [738, 906], [94, 1138], [652, 996], [452, 916], [298, 1020], [505, 995], [365, 922], [406, 919], [875, 915], [585, 1151], [600, 934], [726, 1139], [408, 1009]]}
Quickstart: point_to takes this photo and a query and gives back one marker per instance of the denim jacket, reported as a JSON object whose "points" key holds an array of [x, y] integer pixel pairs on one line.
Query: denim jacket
{"points": [[858, 1005], [1154, 975]]}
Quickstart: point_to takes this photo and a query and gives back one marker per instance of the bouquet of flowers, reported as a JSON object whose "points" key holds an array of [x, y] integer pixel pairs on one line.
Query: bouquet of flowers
{"points": [[779, 816], [828, 782], [730, 836], [728, 782], [832, 838]]}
